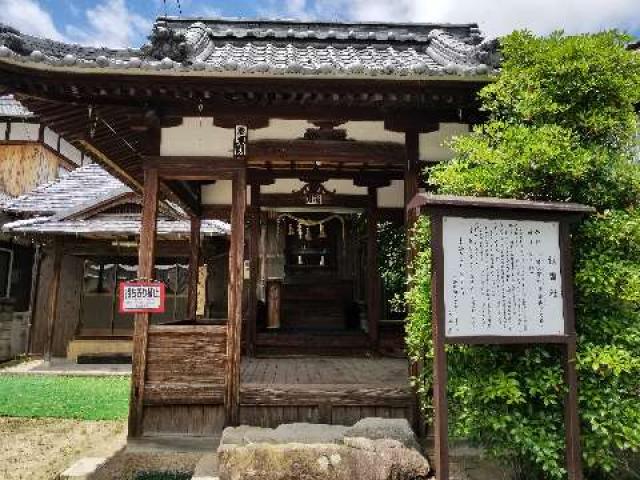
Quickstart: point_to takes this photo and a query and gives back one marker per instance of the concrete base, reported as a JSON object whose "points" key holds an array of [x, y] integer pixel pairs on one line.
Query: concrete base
{"points": [[83, 468], [96, 347], [172, 444], [207, 468]]}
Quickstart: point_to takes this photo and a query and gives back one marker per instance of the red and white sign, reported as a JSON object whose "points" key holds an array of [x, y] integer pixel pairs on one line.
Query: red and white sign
{"points": [[142, 297]]}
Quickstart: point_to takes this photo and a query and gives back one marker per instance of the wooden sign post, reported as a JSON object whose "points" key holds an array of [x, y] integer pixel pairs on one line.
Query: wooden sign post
{"points": [[502, 274]]}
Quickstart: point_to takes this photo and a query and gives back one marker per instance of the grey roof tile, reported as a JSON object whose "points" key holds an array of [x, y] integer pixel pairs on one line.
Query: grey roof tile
{"points": [[82, 185], [278, 47], [12, 108], [111, 226]]}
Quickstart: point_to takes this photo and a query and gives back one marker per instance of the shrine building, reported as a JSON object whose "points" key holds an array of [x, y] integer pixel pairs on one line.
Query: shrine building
{"points": [[306, 137]]}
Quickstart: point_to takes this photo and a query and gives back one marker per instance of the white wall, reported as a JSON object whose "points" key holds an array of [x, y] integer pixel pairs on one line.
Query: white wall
{"points": [[432, 145], [220, 193], [24, 131], [392, 196]]}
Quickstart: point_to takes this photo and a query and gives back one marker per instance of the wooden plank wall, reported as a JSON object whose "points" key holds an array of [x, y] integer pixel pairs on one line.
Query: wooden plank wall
{"points": [[185, 380], [270, 406], [25, 166], [68, 305]]}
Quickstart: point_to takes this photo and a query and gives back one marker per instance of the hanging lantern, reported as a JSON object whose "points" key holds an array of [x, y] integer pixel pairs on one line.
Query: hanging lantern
{"points": [[308, 236], [291, 231], [323, 234]]}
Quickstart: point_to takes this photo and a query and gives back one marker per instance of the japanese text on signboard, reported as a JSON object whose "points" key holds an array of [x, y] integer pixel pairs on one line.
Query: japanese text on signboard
{"points": [[142, 297], [502, 277]]}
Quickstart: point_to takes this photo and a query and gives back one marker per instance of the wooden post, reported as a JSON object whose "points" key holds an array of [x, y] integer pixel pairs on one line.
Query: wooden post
{"points": [[234, 322], [146, 259], [411, 174], [194, 265], [33, 294], [411, 184], [573, 454], [254, 240], [373, 277], [440, 421], [54, 293]]}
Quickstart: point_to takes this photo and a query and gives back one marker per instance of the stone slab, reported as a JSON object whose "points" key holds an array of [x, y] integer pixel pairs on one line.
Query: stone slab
{"points": [[83, 468]]}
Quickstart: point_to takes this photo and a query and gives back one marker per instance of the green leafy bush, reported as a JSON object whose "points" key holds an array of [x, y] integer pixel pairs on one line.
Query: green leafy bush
{"points": [[163, 476], [561, 126]]}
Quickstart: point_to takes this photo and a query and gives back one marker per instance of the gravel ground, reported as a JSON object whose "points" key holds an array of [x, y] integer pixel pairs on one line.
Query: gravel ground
{"points": [[42, 448]]}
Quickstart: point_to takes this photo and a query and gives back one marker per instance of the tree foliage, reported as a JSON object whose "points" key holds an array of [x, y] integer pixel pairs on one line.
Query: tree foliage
{"points": [[561, 126]]}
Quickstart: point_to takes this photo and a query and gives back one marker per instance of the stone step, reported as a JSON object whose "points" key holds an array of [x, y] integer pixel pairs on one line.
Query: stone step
{"points": [[207, 468], [83, 469]]}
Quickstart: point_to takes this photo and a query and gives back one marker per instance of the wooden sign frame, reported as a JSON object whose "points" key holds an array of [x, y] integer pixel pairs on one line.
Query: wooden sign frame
{"points": [[564, 214]]}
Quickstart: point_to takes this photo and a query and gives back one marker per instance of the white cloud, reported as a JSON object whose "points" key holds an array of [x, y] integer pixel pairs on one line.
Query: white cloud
{"points": [[495, 17], [29, 17], [109, 23]]}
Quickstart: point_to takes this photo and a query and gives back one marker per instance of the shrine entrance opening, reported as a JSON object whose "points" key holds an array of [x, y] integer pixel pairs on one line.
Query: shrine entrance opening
{"points": [[313, 280]]}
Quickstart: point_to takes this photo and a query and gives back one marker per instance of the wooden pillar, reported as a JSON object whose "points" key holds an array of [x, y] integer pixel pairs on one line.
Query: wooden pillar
{"points": [[373, 277], [573, 454], [411, 174], [54, 293], [146, 260], [441, 419], [254, 243], [411, 188], [194, 266], [234, 322]]}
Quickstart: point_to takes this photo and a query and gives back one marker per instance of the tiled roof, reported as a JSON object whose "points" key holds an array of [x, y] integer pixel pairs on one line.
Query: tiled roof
{"points": [[12, 108], [5, 198], [111, 226], [275, 47], [82, 185], [52, 209]]}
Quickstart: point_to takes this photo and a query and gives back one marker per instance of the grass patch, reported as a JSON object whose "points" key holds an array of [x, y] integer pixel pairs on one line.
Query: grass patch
{"points": [[82, 398], [163, 476]]}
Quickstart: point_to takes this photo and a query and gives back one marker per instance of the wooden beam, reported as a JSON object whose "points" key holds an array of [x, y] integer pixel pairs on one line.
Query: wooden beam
{"points": [[373, 277], [194, 265], [54, 293], [404, 123], [293, 200], [216, 212], [146, 259], [326, 151], [234, 322], [193, 167]]}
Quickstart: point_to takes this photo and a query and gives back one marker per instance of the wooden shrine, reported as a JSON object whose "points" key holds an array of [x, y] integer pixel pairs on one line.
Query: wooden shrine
{"points": [[304, 136]]}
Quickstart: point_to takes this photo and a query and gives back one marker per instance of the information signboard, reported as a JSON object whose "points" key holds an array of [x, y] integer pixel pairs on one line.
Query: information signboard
{"points": [[142, 297], [502, 277]]}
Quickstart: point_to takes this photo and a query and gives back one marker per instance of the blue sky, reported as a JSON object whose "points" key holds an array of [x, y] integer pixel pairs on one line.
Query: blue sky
{"points": [[121, 23]]}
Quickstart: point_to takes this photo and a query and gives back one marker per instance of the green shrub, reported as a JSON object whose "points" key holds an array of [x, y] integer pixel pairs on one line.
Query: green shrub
{"points": [[561, 126], [163, 476]]}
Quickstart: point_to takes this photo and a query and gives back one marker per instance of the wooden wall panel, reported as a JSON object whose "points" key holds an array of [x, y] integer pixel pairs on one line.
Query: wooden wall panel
{"points": [[68, 305], [25, 166], [194, 420], [185, 365]]}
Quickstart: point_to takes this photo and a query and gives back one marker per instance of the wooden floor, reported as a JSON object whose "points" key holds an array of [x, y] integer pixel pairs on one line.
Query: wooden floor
{"points": [[325, 370], [324, 390]]}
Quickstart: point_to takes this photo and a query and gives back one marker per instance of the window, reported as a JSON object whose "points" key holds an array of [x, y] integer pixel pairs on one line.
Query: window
{"points": [[6, 266], [99, 311]]}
